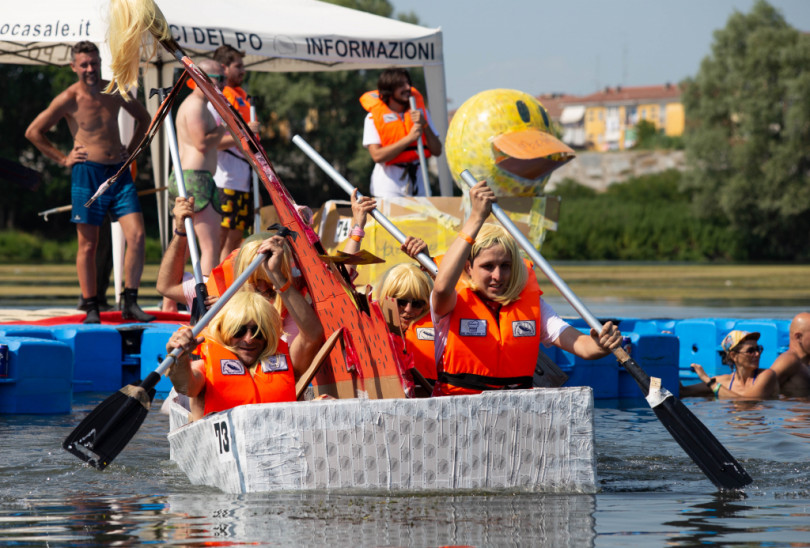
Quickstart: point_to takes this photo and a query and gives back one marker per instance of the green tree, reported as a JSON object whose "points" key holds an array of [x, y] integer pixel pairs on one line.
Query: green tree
{"points": [[645, 134], [748, 125]]}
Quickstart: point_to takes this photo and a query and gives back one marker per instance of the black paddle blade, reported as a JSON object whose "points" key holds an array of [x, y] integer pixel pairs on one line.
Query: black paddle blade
{"points": [[108, 428], [692, 435], [720, 467], [198, 308]]}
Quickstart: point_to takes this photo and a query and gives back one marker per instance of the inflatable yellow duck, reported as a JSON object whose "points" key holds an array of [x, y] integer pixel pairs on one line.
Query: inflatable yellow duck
{"points": [[504, 136]]}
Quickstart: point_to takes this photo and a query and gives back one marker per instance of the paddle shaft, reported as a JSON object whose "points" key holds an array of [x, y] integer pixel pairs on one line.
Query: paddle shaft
{"points": [[257, 215], [152, 379], [423, 258], [216, 307], [420, 149], [181, 190]]}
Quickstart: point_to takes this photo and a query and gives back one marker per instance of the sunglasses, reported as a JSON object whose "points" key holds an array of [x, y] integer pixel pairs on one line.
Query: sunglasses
{"points": [[415, 303], [216, 77], [253, 329], [751, 350]]}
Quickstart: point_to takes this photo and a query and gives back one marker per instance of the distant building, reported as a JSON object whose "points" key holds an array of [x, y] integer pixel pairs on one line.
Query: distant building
{"points": [[606, 120]]}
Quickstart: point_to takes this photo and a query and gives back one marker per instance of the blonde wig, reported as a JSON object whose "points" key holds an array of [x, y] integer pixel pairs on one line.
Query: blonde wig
{"points": [[248, 253], [243, 308], [406, 281], [492, 235], [135, 25]]}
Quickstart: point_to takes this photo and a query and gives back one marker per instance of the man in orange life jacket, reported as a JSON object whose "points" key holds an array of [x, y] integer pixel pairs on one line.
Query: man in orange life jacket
{"points": [[233, 170], [488, 326], [391, 132]]}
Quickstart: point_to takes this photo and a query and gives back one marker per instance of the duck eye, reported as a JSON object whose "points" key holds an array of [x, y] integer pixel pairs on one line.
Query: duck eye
{"points": [[544, 114], [523, 111]]}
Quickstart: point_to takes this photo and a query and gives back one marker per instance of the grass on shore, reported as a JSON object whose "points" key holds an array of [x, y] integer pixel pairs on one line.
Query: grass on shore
{"points": [[659, 281]]}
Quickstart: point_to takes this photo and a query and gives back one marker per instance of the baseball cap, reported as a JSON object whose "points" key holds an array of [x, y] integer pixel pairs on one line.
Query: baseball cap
{"points": [[736, 337]]}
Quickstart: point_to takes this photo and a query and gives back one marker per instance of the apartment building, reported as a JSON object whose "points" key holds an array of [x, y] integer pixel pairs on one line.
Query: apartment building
{"points": [[606, 120]]}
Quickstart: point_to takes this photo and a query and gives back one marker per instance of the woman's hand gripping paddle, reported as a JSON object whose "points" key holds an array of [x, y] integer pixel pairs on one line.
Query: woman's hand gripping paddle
{"points": [[423, 258], [198, 307], [109, 427], [692, 435]]}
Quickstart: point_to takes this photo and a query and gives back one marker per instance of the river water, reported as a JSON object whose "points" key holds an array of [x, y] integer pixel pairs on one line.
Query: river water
{"points": [[650, 492]]}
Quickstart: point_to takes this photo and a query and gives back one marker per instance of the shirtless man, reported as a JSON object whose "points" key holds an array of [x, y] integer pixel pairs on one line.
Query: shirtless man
{"points": [[198, 139], [792, 367], [97, 154]]}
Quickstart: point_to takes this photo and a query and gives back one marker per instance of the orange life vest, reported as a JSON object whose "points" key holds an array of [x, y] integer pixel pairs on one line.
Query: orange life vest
{"points": [[239, 99], [222, 275], [485, 353], [392, 127], [228, 383], [419, 337]]}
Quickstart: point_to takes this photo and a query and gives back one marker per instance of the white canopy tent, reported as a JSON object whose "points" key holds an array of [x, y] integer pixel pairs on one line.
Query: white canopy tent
{"points": [[276, 35]]}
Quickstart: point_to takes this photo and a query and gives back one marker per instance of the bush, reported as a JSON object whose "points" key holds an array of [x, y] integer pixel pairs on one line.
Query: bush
{"points": [[644, 219], [23, 247]]}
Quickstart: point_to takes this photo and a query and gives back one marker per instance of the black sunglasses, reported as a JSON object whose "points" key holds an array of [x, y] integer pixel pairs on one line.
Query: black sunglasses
{"points": [[752, 350], [253, 329], [416, 303]]}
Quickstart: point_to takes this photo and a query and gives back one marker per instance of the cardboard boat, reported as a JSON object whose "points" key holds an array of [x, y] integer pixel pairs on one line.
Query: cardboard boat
{"points": [[521, 440]]}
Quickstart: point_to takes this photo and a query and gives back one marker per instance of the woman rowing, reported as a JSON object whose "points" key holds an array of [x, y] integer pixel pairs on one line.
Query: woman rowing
{"points": [[243, 359], [488, 315], [407, 287], [739, 350]]}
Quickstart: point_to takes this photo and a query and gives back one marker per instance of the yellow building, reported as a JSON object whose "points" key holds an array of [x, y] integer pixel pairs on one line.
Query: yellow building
{"points": [[606, 120]]}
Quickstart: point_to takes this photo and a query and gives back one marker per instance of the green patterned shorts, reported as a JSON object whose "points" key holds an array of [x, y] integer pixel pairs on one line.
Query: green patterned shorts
{"points": [[199, 184]]}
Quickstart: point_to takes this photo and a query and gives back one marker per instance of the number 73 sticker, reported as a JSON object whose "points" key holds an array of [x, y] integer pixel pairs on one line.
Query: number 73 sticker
{"points": [[223, 441]]}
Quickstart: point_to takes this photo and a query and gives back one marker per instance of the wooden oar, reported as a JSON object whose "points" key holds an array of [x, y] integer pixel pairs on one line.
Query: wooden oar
{"points": [[423, 258], [420, 149], [109, 427], [692, 435], [200, 292]]}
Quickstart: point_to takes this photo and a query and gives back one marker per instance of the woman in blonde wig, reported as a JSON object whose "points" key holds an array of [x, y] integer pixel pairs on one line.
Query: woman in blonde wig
{"points": [[488, 315], [243, 359], [406, 287]]}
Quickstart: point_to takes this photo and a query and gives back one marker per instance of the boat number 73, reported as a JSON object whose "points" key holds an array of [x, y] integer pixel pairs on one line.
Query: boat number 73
{"points": [[224, 440]]}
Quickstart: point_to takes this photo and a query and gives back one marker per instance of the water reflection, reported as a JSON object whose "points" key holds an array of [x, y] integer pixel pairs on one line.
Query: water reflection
{"points": [[703, 523], [302, 519], [317, 518]]}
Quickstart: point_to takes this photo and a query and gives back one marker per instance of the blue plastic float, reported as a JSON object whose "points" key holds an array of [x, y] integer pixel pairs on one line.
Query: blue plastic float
{"points": [[48, 363]]}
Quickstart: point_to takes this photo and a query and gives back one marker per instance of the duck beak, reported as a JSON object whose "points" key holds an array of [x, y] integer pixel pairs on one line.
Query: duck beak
{"points": [[527, 153]]}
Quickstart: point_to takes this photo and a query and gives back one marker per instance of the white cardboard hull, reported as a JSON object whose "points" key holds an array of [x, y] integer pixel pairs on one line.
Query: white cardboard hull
{"points": [[522, 440]]}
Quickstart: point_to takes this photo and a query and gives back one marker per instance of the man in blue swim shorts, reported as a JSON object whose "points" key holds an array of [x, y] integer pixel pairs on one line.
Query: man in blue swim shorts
{"points": [[97, 153]]}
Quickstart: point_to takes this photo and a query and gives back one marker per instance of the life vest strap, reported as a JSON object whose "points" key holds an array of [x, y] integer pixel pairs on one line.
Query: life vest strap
{"points": [[481, 382]]}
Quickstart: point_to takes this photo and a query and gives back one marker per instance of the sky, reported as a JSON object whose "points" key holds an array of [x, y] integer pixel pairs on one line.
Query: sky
{"points": [[577, 46]]}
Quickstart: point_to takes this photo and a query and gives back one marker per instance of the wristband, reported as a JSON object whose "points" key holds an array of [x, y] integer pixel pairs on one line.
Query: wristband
{"points": [[284, 287], [357, 231], [181, 234], [466, 237], [356, 238], [711, 382], [716, 389]]}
